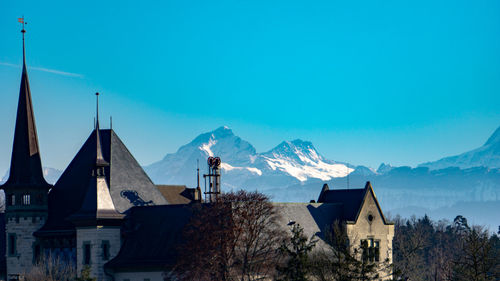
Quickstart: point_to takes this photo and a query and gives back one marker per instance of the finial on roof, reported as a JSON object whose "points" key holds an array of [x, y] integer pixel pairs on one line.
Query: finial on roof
{"points": [[368, 184], [23, 31], [99, 158], [197, 173], [97, 109]]}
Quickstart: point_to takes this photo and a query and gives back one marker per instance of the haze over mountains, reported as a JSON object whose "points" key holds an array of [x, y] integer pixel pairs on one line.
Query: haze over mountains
{"points": [[487, 155], [294, 171]]}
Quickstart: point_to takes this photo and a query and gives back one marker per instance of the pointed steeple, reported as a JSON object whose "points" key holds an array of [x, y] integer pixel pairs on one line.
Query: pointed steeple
{"points": [[100, 162], [26, 165], [97, 205]]}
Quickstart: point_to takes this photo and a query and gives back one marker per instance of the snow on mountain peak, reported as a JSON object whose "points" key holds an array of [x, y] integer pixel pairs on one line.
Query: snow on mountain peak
{"points": [[290, 161], [301, 160], [206, 146]]}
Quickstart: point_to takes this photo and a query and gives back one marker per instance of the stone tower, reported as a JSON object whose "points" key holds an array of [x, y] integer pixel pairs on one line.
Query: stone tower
{"points": [[26, 189]]}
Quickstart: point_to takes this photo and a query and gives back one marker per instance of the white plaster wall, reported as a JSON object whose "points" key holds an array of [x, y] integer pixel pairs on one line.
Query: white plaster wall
{"points": [[375, 229], [22, 262], [95, 235]]}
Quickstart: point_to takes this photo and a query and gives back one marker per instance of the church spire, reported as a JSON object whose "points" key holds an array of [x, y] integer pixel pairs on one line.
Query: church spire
{"points": [[26, 165]]}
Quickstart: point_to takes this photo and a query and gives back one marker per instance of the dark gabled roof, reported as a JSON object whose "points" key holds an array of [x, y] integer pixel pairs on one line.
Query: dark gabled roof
{"points": [[352, 200], [152, 235], [179, 194], [26, 165], [128, 183]]}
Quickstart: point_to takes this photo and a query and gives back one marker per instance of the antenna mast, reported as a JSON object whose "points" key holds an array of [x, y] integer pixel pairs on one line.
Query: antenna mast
{"points": [[213, 179]]}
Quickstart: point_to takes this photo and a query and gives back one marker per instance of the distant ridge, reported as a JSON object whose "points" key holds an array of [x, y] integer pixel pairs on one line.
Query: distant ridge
{"points": [[487, 155]]}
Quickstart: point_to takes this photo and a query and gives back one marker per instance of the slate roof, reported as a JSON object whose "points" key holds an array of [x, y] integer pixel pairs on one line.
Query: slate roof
{"points": [[26, 165], [151, 235], [316, 219], [351, 200], [179, 194], [128, 183]]}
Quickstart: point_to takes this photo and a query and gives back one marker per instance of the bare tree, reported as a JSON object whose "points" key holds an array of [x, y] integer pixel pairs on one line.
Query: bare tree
{"points": [[234, 238], [477, 259], [51, 269]]}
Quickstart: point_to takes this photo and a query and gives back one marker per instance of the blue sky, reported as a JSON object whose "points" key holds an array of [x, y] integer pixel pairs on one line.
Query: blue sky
{"points": [[400, 82]]}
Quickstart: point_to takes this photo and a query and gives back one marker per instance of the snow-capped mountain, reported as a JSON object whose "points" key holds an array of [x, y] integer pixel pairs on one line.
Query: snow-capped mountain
{"points": [[487, 155], [300, 160], [291, 162]]}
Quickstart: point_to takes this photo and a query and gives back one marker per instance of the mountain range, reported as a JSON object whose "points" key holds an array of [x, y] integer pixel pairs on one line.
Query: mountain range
{"points": [[294, 171], [289, 163]]}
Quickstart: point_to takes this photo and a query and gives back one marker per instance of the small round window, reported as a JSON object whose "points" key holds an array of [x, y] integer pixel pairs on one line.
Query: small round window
{"points": [[370, 217]]}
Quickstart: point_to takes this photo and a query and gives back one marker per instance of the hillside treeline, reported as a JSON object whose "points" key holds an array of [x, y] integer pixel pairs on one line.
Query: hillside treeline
{"points": [[443, 250]]}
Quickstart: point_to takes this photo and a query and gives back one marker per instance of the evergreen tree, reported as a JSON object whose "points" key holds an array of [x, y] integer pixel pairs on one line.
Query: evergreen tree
{"points": [[296, 253]]}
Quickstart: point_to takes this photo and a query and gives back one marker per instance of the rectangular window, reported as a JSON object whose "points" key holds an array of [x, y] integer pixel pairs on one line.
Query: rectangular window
{"points": [[86, 253], [12, 247], [26, 199], [370, 250], [105, 250], [11, 200], [36, 253]]}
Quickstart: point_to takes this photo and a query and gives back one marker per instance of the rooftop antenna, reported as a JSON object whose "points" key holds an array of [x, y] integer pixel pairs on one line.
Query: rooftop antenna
{"points": [[111, 122]]}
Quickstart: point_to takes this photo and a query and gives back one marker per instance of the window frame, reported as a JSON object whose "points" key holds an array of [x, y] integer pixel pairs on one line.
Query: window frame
{"points": [[12, 245], [86, 256], [370, 249], [26, 199], [105, 246]]}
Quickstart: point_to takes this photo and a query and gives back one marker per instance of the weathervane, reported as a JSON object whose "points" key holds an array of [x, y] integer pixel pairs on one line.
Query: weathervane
{"points": [[21, 20]]}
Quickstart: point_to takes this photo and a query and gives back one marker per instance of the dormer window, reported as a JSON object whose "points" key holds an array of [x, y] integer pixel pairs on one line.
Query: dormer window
{"points": [[26, 200]]}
